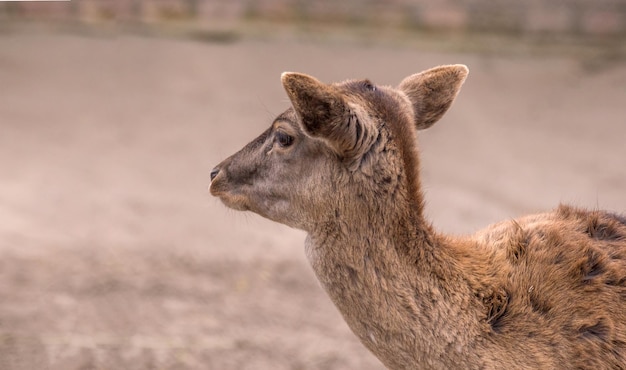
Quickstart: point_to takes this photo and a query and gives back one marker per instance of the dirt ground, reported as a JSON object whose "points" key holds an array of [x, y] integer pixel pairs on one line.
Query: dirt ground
{"points": [[114, 256]]}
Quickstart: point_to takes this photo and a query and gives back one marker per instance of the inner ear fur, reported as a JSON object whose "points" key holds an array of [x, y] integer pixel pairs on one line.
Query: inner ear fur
{"points": [[318, 105], [432, 92]]}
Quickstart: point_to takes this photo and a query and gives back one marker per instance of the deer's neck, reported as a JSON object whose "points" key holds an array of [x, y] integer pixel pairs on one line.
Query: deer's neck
{"points": [[398, 287]]}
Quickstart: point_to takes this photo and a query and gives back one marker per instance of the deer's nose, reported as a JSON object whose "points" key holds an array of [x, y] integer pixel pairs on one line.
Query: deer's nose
{"points": [[214, 172]]}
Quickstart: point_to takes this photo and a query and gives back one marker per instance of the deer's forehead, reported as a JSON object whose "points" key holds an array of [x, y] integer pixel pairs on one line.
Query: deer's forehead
{"points": [[287, 118], [363, 86], [369, 95]]}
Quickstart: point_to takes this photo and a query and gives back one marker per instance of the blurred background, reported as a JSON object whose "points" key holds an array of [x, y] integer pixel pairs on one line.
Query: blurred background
{"points": [[112, 113]]}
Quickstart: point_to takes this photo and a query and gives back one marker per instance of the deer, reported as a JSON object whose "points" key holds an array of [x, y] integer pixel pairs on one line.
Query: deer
{"points": [[544, 291]]}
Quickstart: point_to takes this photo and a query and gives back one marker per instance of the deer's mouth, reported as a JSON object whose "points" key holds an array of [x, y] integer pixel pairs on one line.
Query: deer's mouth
{"points": [[230, 197]]}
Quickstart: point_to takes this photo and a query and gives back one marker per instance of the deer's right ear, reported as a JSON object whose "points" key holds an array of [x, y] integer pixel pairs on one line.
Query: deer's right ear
{"points": [[432, 92], [320, 107]]}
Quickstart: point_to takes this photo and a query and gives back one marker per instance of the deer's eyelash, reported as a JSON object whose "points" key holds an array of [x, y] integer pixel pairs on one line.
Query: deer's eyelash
{"points": [[283, 139]]}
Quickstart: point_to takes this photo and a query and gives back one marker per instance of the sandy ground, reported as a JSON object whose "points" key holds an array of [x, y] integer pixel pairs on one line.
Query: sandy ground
{"points": [[114, 256]]}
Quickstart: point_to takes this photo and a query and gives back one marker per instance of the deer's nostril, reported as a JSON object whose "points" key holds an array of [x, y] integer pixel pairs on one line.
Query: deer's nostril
{"points": [[214, 173]]}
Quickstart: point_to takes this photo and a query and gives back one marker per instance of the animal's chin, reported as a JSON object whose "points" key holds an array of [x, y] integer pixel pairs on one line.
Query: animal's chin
{"points": [[236, 202], [231, 200]]}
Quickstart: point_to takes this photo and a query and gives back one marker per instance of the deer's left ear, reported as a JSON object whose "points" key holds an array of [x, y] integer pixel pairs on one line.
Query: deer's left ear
{"points": [[320, 108], [432, 92], [323, 113]]}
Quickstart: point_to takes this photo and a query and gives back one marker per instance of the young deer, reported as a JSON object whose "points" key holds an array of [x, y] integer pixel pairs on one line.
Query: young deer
{"points": [[541, 292]]}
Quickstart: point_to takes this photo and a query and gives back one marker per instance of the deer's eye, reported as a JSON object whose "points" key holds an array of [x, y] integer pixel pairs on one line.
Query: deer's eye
{"points": [[283, 139]]}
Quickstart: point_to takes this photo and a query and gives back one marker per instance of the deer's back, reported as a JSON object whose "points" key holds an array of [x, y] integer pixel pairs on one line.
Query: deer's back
{"points": [[564, 276]]}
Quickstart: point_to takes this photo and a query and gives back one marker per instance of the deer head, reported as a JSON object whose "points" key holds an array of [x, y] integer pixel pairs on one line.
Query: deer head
{"points": [[339, 149]]}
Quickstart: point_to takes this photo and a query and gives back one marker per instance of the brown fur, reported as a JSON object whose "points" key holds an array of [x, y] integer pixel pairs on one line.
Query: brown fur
{"points": [[544, 291]]}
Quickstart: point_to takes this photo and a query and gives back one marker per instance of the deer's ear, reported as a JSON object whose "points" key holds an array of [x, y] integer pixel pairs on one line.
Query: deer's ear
{"points": [[432, 92], [321, 109]]}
